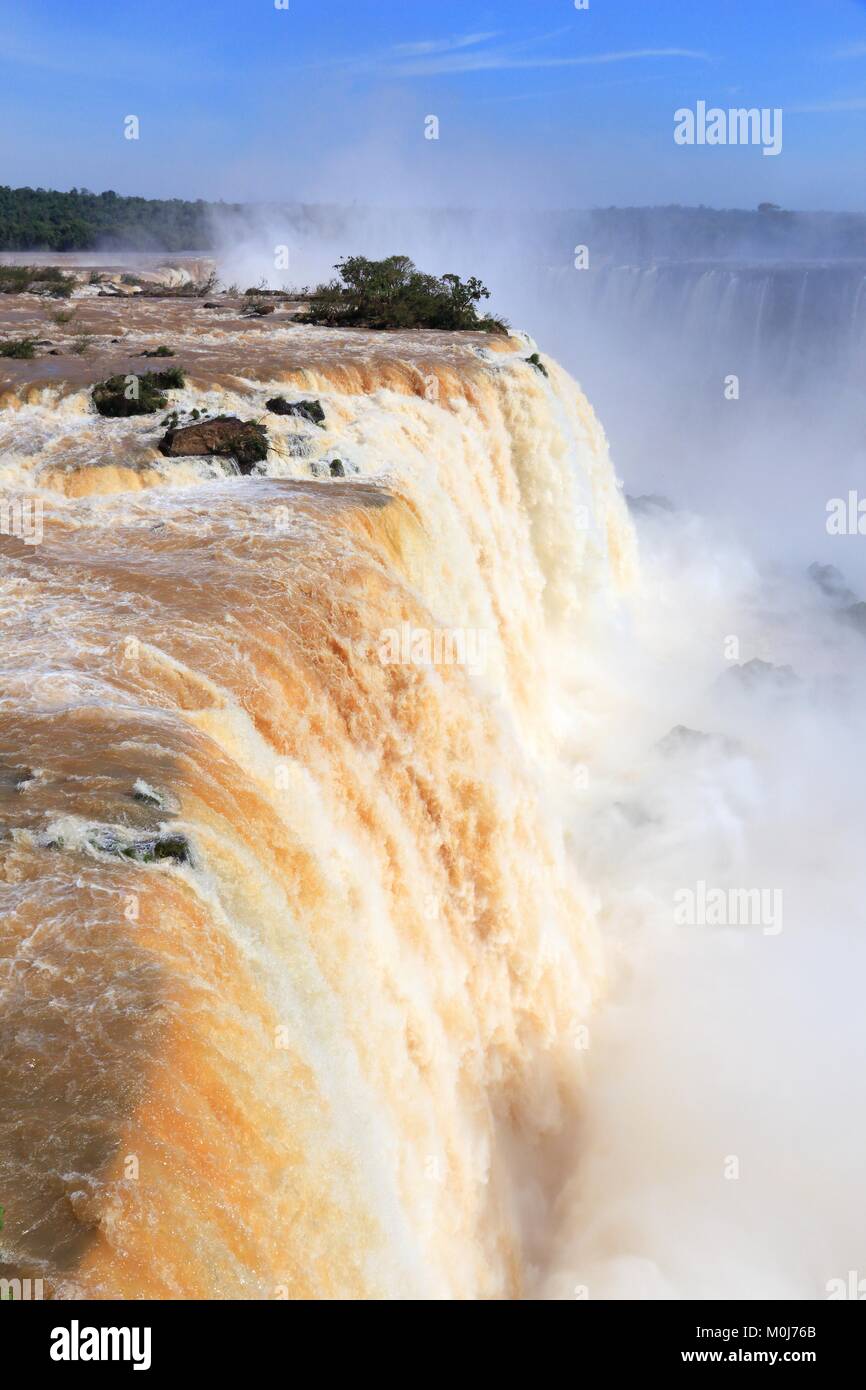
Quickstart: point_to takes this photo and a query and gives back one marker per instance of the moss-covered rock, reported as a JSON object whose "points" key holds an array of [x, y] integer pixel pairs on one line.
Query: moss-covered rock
{"points": [[136, 395], [306, 410], [157, 848]]}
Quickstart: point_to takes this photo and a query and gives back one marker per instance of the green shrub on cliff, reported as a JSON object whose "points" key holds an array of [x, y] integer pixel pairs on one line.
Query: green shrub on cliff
{"points": [[394, 294]]}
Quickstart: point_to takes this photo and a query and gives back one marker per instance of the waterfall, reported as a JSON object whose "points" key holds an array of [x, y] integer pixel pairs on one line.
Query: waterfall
{"points": [[310, 1051]]}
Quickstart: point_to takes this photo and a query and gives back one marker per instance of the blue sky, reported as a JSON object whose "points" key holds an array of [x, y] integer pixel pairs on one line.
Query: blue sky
{"points": [[537, 102]]}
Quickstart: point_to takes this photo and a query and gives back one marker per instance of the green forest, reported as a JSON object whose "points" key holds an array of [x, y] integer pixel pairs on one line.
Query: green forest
{"points": [[38, 219]]}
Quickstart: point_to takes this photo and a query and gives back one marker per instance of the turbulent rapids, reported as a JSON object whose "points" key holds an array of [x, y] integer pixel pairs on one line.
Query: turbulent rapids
{"points": [[294, 959]]}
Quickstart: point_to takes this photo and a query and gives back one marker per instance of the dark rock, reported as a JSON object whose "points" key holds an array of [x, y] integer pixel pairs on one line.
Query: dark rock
{"points": [[15, 777], [115, 397], [257, 311], [225, 436], [536, 362], [307, 410], [147, 795], [158, 352], [147, 849], [211, 304], [337, 469]]}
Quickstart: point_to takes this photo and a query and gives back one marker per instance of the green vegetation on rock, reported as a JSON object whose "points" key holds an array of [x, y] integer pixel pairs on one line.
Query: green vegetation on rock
{"points": [[147, 849], [136, 395], [306, 410], [224, 436], [393, 293], [46, 280], [19, 347]]}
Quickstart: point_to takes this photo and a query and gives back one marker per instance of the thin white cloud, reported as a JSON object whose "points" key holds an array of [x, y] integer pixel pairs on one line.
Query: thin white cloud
{"points": [[843, 104], [502, 59], [430, 46]]}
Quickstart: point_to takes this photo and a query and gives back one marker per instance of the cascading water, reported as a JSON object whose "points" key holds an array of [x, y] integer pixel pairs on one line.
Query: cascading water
{"points": [[312, 1050], [786, 321]]}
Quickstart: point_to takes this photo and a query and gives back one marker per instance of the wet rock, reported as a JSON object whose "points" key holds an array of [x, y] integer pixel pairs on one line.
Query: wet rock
{"points": [[173, 849], [158, 352], [225, 437], [536, 362], [147, 795], [211, 304], [125, 395], [306, 410], [157, 848], [49, 287], [15, 777], [337, 469], [258, 311]]}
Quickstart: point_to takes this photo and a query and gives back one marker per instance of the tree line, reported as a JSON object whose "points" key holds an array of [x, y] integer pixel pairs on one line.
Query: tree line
{"points": [[40, 219]]}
